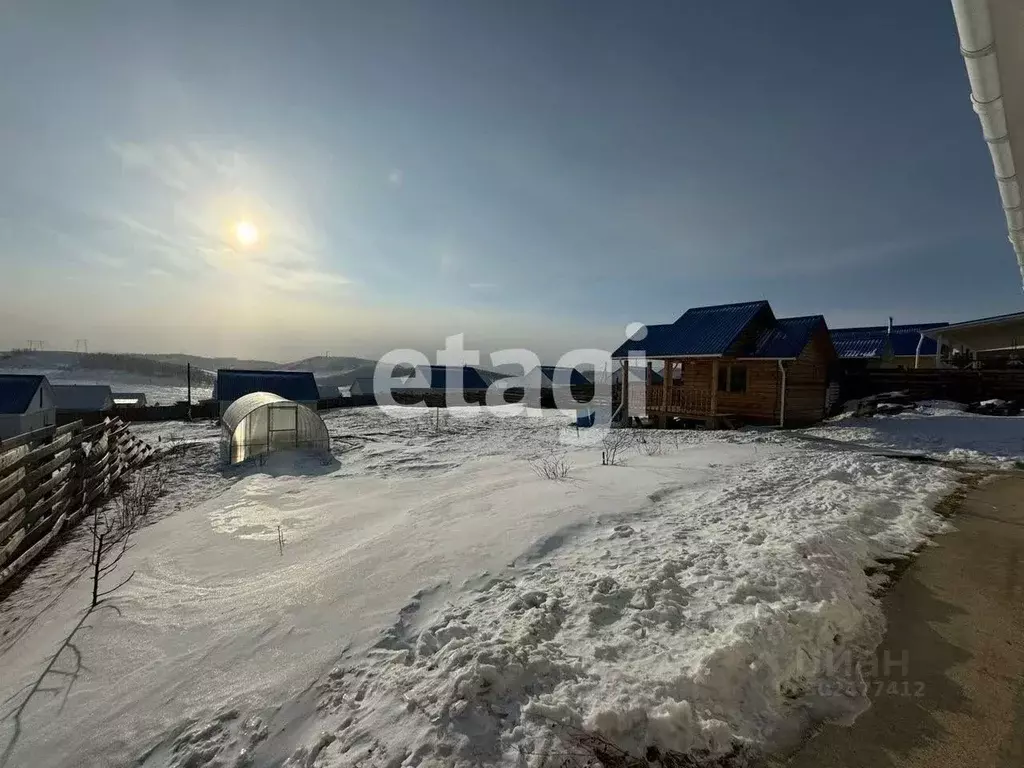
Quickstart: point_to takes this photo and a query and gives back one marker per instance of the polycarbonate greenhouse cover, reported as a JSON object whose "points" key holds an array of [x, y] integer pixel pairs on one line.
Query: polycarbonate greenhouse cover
{"points": [[249, 426], [245, 405]]}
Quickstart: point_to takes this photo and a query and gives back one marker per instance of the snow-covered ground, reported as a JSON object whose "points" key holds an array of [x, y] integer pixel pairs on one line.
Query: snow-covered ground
{"points": [[936, 428], [439, 602]]}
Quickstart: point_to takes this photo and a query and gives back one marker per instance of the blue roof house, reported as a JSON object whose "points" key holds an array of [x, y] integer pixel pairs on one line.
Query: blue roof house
{"points": [[439, 378], [887, 346], [297, 386], [26, 404], [729, 364]]}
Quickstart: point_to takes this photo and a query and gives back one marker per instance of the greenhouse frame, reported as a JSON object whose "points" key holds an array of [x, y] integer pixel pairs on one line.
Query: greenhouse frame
{"points": [[262, 422]]}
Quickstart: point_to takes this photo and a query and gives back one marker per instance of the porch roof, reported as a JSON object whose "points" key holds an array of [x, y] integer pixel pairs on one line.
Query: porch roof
{"points": [[988, 333]]}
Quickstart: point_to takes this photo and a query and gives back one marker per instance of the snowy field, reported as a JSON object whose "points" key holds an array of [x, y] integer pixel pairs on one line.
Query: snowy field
{"points": [[438, 602]]}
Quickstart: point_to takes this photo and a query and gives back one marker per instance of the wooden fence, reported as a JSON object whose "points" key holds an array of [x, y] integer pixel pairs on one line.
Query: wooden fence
{"points": [[50, 478], [937, 384]]}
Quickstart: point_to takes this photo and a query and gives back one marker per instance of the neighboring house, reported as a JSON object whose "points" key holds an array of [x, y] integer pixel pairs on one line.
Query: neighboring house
{"points": [[734, 363], [991, 341], [547, 377], [129, 400], [328, 391], [83, 398], [26, 404], [635, 375], [297, 386], [438, 379], [883, 346], [363, 385]]}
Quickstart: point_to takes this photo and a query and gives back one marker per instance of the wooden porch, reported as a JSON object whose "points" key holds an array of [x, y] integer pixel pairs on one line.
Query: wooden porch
{"points": [[688, 392], [679, 401]]}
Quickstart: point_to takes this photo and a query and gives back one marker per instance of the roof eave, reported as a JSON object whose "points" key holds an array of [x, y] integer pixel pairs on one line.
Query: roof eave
{"points": [[663, 356]]}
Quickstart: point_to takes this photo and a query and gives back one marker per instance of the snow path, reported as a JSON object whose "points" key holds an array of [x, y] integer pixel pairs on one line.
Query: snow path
{"points": [[673, 601]]}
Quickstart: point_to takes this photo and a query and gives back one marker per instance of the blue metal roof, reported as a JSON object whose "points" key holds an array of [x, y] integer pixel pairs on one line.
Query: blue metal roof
{"points": [[870, 341], [16, 391], [788, 338], [558, 376], [860, 342], [292, 385], [699, 331], [438, 376]]}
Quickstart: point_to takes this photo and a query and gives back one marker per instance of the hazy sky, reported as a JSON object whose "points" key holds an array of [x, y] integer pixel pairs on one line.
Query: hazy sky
{"points": [[533, 173]]}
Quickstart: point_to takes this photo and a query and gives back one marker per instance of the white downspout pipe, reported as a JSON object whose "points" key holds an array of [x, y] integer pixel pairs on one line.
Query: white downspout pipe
{"points": [[782, 395], [917, 352], [977, 45]]}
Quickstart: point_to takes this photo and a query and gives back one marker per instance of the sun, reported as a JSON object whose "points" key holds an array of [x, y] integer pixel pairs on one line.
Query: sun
{"points": [[246, 233]]}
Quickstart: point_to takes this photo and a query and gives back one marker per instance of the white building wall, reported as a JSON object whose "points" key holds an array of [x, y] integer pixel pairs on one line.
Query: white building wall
{"points": [[40, 413]]}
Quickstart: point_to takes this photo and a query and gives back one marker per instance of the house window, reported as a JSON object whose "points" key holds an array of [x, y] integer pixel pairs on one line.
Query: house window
{"points": [[732, 378]]}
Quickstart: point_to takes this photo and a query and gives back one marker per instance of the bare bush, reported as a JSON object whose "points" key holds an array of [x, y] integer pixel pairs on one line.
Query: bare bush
{"points": [[551, 467], [113, 526], [652, 443], [111, 529], [139, 495], [616, 442]]}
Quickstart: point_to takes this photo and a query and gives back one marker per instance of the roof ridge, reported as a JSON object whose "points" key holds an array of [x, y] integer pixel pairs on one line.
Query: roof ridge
{"points": [[730, 304], [258, 370], [800, 317]]}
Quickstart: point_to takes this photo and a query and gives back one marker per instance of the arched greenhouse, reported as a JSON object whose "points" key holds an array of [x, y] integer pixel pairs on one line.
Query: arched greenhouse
{"points": [[262, 422]]}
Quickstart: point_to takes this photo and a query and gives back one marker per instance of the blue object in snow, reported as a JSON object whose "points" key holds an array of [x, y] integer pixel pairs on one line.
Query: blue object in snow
{"points": [[585, 418]]}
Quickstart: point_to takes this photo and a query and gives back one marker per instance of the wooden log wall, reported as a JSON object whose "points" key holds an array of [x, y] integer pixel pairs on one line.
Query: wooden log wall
{"points": [[52, 477], [760, 403]]}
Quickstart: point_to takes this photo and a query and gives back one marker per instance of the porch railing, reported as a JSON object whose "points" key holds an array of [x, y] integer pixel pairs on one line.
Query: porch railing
{"points": [[680, 400]]}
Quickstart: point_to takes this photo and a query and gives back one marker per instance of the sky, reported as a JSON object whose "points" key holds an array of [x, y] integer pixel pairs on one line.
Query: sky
{"points": [[533, 174]]}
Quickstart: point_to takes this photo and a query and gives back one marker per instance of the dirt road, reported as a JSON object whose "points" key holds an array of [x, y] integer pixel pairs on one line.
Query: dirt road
{"points": [[954, 692]]}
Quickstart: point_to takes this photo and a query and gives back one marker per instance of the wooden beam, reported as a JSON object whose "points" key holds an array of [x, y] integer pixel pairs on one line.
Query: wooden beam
{"points": [[714, 386], [624, 389], [28, 437], [666, 383]]}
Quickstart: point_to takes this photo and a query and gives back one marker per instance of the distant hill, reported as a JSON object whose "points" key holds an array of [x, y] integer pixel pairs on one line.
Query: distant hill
{"points": [[171, 368], [213, 363], [364, 371], [62, 364], [327, 365]]}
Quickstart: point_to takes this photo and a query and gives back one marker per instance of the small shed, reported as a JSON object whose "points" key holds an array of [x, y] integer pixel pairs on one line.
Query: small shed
{"points": [[83, 398], [130, 399], [263, 422], [297, 386], [26, 404]]}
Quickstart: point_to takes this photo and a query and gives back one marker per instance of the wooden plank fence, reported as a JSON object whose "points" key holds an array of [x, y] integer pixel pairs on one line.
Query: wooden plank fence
{"points": [[937, 384], [52, 477]]}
